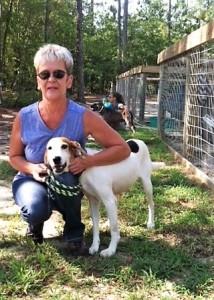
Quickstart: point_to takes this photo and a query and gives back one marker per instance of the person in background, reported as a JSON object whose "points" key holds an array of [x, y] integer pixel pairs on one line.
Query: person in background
{"points": [[55, 115], [115, 102], [118, 103]]}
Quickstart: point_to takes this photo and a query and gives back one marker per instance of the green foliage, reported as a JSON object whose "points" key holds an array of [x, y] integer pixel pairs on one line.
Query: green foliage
{"points": [[15, 99], [22, 33], [147, 34], [26, 35], [6, 171]]}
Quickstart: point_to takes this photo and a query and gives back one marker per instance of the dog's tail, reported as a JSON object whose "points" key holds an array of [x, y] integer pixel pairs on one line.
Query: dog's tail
{"points": [[158, 165]]}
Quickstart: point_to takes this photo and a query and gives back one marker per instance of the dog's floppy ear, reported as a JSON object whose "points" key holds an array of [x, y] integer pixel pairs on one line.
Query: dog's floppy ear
{"points": [[77, 149]]}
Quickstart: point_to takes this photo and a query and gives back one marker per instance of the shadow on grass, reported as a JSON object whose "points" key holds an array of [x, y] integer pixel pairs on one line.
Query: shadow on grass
{"points": [[144, 258], [139, 262]]}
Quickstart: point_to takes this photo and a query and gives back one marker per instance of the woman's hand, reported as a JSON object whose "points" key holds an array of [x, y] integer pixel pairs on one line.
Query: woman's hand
{"points": [[39, 172], [78, 165]]}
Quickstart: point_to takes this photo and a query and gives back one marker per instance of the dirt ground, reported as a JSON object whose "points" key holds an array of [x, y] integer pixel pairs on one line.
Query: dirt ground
{"points": [[6, 119]]}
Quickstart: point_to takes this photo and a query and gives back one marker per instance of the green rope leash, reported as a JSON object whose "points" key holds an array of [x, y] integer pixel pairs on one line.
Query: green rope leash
{"points": [[61, 188]]}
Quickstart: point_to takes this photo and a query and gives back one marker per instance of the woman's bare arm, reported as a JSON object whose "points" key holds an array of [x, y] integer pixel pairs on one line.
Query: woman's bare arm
{"points": [[115, 148], [16, 154]]}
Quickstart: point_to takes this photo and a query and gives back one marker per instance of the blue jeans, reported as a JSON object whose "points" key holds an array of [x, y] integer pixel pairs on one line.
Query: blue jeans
{"points": [[36, 204]]}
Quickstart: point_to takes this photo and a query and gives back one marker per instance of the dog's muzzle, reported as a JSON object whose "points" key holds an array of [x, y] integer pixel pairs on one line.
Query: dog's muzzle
{"points": [[58, 169]]}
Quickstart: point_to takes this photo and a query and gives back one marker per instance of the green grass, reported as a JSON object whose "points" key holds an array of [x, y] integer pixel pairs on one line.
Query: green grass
{"points": [[6, 171], [172, 261]]}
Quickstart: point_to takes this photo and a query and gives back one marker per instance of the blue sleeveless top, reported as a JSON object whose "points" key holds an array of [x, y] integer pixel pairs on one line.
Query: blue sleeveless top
{"points": [[35, 134]]}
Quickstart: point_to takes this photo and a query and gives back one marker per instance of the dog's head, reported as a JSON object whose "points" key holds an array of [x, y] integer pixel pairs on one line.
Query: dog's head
{"points": [[60, 152]]}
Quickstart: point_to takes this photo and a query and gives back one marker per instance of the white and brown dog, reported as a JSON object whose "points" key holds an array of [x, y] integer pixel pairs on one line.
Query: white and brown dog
{"points": [[103, 183]]}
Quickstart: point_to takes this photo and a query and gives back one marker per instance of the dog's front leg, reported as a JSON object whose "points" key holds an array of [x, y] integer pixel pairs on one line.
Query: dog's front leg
{"points": [[111, 208], [94, 205]]}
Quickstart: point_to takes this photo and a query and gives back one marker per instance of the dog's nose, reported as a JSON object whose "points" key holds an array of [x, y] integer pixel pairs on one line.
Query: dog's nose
{"points": [[57, 160]]}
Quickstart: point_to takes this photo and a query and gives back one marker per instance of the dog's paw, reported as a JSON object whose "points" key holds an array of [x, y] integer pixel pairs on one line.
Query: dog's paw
{"points": [[93, 249], [107, 252], [150, 225]]}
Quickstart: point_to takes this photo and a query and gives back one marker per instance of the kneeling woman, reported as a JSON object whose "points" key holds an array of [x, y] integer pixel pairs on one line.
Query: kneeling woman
{"points": [[53, 116]]}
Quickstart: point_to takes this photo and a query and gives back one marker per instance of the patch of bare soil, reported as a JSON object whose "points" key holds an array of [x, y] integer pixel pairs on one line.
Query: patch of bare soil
{"points": [[7, 205]]}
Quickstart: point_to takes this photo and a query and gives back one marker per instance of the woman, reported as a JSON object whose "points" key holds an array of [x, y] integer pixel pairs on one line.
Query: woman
{"points": [[115, 102], [55, 115]]}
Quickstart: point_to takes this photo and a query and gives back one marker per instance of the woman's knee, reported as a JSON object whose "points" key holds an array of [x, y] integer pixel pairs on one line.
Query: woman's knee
{"points": [[32, 198], [35, 212]]}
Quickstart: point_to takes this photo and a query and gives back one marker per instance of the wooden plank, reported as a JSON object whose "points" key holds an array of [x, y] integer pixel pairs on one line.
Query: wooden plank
{"points": [[142, 97], [153, 79], [139, 70], [198, 37]]}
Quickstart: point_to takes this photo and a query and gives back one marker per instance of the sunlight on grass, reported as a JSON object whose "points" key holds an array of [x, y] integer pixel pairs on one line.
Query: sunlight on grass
{"points": [[37, 266]]}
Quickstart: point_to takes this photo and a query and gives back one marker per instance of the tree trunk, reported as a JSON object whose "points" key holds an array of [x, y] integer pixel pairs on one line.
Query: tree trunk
{"points": [[91, 13], [79, 53], [119, 38], [169, 21], [46, 25], [8, 17], [125, 28], [0, 36]]}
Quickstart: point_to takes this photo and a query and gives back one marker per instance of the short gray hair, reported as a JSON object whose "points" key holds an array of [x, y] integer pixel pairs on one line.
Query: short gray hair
{"points": [[53, 52]]}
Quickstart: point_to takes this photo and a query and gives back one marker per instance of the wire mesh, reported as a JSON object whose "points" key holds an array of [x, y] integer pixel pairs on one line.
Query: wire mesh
{"points": [[172, 101], [186, 106], [140, 92]]}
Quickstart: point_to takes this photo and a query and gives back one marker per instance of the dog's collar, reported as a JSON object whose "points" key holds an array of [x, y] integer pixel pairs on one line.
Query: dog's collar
{"points": [[60, 188]]}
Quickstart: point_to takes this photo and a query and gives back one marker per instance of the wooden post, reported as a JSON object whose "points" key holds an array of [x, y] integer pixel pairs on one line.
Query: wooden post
{"points": [[196, 38], [161, 112], [185, 128], [142, 96]]}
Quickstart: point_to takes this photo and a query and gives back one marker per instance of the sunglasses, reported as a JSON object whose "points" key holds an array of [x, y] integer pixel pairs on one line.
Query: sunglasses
{"points": [[58, 74]]}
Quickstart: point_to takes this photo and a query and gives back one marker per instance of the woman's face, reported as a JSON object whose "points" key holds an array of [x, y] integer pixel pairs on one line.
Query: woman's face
{"points": [[53, 80], [111, 99]]}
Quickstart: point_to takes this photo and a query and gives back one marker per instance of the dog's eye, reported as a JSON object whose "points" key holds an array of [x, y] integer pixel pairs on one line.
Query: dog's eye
{"points": [[49, 148], [64, 146]]}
